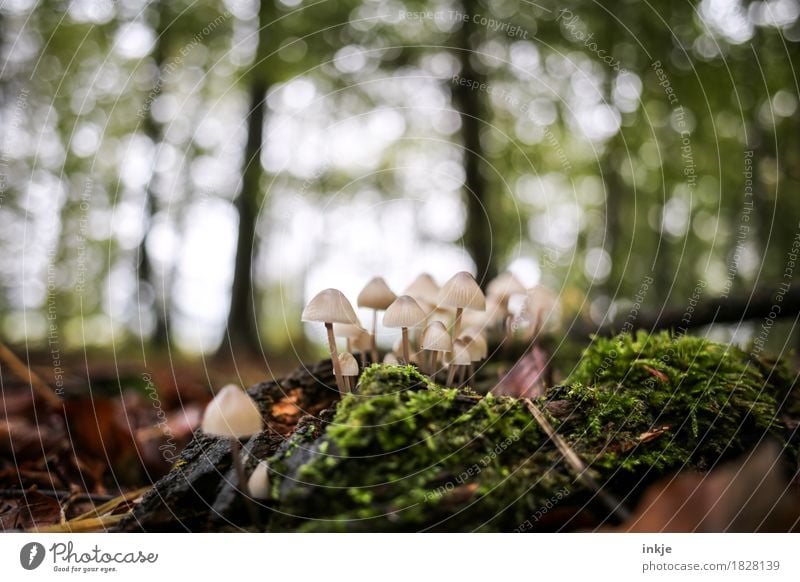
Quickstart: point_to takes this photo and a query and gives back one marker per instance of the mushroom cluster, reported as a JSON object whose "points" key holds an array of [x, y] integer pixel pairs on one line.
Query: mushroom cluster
{"points": [[453, 321]]}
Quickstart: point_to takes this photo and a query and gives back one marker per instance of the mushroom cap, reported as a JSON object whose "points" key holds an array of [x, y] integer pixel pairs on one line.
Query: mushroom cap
{"points": [[330, 306], [348, 364], [376, 295], [362, 342], [348, 330], [404, 312], [460, 355], [390, 358], [476, 346], [423, 288], [258, 483], [436, 338], [504, 286], [462, 291], [232, 414]]}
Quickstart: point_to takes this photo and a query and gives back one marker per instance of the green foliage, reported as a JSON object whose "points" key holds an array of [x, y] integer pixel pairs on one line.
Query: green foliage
{"points": [[406, 454]]}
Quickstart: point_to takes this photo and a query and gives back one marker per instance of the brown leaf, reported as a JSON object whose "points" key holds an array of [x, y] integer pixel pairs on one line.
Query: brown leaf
{"points": [[526, 379], [751, 494], [99, 431], [31, 510]]}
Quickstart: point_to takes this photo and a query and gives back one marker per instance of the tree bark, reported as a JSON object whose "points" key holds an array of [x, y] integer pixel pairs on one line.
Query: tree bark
{"points": [[243, 318], [763, 304], [152, 129], [477, 236]]}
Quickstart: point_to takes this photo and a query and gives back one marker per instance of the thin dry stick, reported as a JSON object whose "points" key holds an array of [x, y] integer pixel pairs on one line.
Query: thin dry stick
{"points": [[83, 525], [22, 371], [112, 504], [576, 463]]}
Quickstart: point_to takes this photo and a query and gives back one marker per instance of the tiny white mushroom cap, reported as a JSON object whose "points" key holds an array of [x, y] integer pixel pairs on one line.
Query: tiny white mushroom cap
{"points": [[362, 342], [460, 355], [436, 338], [475, 346], [390, 358], [348, 330], [348, 364], [423, 288], [541, 303], [479, 339], [376, 295], [404, 312], [462, 291], [258, 483], [504, 286], [330, 306], [232, 414]]}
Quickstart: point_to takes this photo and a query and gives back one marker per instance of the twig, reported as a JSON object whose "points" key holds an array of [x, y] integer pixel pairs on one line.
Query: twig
{"points": [[112, 504], [576, 463], [58, 494], [39, 386], [83, 525]]}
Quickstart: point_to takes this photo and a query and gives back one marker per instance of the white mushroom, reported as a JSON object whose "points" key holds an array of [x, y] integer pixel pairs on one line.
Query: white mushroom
{"points": [[423, 289], [461, 292], [377, 296], [435, 339], [331, 306], [404, 313], [258, 483], [459, 357], [349, 368], [232, 414]]}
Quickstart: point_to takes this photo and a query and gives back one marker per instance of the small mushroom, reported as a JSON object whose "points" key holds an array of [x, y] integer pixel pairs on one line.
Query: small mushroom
{"points": [[541, 304], [233, 415], [349, 368], [362, 344], [349, 332], [505, 286], [258, 483], [377, 296], [459, 357], [331, 306], [435, 339], [423, 289], [499, 291], [477, 349], [461, 292], [390, 358], [405, 312]]}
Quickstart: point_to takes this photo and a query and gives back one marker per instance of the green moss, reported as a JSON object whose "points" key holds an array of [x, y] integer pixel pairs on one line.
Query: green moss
{"points": [[406, 454]]}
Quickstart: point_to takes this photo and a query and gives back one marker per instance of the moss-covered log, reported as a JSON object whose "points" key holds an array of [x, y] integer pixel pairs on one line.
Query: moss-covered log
{"points": [[405, 454]]}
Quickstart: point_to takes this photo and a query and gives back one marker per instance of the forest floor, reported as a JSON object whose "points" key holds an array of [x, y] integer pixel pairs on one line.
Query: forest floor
{"points": [[92, 465]]}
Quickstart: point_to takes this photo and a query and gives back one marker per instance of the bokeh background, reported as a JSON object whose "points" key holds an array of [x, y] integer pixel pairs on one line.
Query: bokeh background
{"points": [[185, 175]]}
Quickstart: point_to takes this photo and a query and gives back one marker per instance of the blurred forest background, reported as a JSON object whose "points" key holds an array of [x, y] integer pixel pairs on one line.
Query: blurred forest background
{"points": [[172, 170]]}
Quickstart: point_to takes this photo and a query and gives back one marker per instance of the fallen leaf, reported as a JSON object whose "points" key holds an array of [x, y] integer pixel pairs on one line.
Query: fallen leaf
{"points": [[751, 494], [31, 510]]}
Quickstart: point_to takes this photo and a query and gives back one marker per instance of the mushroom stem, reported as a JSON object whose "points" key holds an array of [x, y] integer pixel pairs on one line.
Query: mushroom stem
{"points": [[373, 339], [337, 369], [406, 350], [241, 484], [457, 325], [451, 374]]}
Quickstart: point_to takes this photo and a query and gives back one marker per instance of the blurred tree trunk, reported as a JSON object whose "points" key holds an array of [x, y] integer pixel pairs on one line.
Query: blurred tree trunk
{"points": [[469, 103], [152, 129], [242, 331]]}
